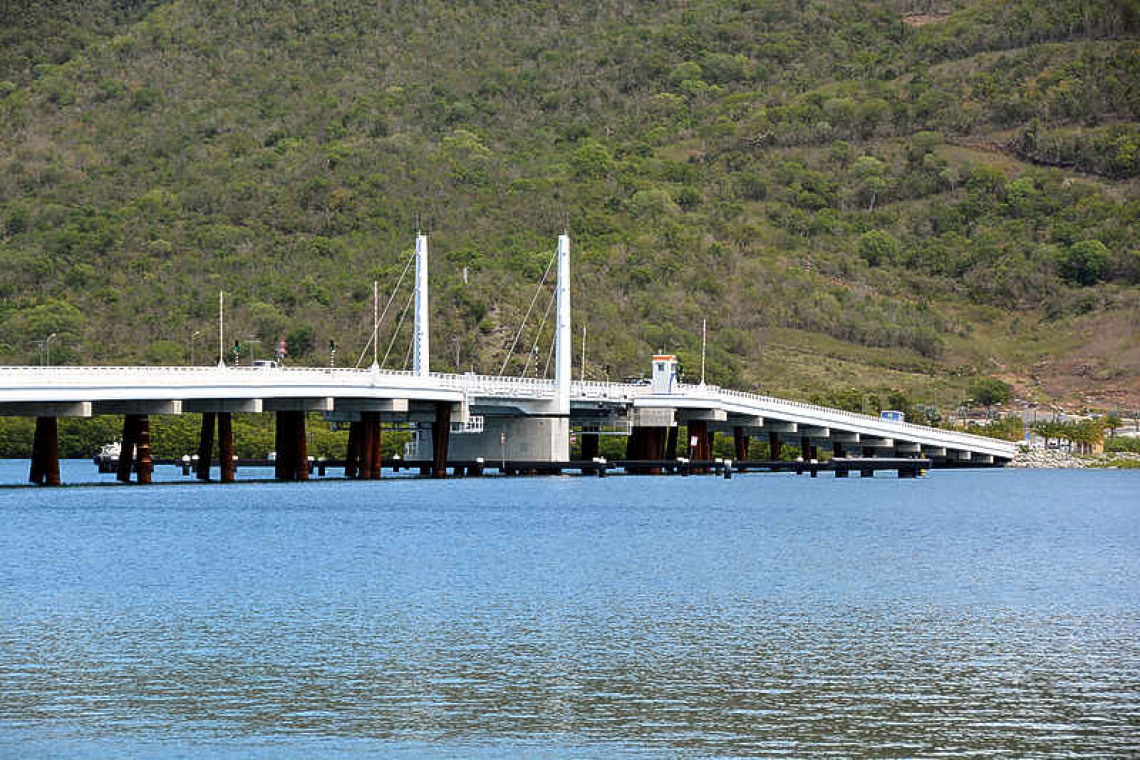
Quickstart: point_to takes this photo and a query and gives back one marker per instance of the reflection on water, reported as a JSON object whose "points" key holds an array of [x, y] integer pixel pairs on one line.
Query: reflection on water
{"points": [[990, 613]]}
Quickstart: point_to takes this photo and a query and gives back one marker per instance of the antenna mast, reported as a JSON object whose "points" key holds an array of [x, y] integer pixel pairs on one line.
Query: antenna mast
{"points": [[704, 328], [221, 328]]}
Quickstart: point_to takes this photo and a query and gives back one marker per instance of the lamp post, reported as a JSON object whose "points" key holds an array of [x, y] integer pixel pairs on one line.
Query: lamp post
{"points": [[47, 348], [193, 335]]}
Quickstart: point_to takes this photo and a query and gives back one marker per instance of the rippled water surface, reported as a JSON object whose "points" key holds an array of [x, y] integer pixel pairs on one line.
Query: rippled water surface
{"points": [[986, 612]]}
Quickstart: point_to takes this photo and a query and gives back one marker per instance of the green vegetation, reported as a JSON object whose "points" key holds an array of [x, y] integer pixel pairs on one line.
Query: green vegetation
{"points": [[891, 195]]}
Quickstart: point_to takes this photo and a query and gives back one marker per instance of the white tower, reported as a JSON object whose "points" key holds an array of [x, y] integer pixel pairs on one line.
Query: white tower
{"points": [[421, 330], [562, 347]]}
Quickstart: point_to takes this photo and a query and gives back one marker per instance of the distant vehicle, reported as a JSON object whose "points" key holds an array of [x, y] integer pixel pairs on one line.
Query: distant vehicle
{"points": [[265, 364], [892, 415]]}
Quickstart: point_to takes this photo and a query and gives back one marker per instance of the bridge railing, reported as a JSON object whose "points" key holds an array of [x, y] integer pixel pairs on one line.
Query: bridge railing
{"points": [[841, 413]]}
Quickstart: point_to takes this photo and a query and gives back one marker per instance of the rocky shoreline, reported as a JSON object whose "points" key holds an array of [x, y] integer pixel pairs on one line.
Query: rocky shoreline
{"points": [[1055, 459]]}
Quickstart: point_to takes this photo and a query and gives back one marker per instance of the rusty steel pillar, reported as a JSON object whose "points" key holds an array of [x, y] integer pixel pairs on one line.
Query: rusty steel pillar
{"points": [[226, 463], [671, 443], [281, 462], [814, 452], [775, 448], [45, 453], [740, 441], [378, 450], [127, 449], [206, 445], [439, 439], [805, 448], [144, 462], [590, 443], [352, 450], [301, 446], [655, 446], [868, 453]]}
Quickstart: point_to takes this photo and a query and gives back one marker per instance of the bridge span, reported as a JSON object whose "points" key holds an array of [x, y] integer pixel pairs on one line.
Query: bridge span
{"points": [[458, 416]]}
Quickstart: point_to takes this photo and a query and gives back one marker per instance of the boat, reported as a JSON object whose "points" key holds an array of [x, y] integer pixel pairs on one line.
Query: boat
{"points": [[107, 460]]}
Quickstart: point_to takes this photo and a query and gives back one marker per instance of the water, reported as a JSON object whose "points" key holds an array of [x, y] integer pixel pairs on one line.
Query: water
{"points": [[977, 612]]}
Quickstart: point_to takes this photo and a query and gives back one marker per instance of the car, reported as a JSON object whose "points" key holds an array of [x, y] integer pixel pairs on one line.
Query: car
{"points": [[264, 364]]}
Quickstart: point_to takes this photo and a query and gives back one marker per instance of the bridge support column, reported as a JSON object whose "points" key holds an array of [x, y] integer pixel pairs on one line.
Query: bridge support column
{"points": [[440, 435], [868, 453], [671, 444], [837, 453], [775, 446], [352, 451], [206, 445], [740, 440], [590, 444], [144, 462], [702, 452], [45, 453], [227, 468], [127, 448]]}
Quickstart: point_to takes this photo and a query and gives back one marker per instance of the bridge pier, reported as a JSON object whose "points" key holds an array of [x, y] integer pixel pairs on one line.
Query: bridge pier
{"points": [[702, 451], [868, 453], [45, 453], [371, 452], [292, 446], [590, 444], [740, 440], [144, 462], [837, 453], [775, 446], [206, 445], [441, 433], [671, 443], [226, 465], [352, 449]]}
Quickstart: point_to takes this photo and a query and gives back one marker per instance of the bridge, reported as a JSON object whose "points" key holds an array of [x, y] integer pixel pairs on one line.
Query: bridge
{"points": [[459, 416]]}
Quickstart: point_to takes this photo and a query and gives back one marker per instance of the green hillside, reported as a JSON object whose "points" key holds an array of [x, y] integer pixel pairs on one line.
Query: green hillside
{"points": [[853, 194]]}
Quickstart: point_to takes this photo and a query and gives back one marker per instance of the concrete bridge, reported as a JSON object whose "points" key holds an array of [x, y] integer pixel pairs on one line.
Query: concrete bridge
{"points": [[457, 416]]}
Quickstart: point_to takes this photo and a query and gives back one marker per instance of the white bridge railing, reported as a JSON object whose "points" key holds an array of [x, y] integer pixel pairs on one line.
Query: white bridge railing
{"points": [[44, 383]]}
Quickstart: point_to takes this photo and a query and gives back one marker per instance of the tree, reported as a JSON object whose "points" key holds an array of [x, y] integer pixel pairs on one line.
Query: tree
{"points": [[989, 391], [1086, 262], [878, 247]]}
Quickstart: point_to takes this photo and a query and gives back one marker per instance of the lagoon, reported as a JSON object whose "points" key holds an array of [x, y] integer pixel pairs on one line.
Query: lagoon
{"points": [[990, 612]]}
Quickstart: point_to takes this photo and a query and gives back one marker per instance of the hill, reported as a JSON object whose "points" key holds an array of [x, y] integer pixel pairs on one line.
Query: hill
{"points": [[853, 195]]}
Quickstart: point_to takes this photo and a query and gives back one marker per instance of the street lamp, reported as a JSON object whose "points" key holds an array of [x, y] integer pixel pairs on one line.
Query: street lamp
{"points": [[193, 335], [47, 348]]}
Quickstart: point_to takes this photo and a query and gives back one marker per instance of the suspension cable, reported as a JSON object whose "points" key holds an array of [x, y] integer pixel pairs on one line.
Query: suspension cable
{"points": [[538, 336], [376, 324], [396, 334], [538, 290]]}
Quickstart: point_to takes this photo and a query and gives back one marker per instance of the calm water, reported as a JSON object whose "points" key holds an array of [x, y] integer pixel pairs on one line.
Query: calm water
{"points": [[990, 613]]}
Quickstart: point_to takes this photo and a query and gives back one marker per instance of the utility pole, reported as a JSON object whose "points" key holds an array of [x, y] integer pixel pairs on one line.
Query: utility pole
{"points": [[704, 330], [221, 328], [583, 378]]}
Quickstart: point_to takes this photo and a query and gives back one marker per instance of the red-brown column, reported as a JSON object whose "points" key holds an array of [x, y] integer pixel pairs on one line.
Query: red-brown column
{"points": [[589, 446], [279, 445], [45, 453], [206, 445], [376, 457], [36, 472], [144, 462], [226, 447], [805, 448], [671, 443], [302, 446], [440, 436], [775, 448], [127, 450], [740, 443], [354, 452]]}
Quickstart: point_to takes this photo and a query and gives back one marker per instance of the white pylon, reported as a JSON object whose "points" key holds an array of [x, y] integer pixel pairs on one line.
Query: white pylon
{"points": [[562, 344], [421, 329]]}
